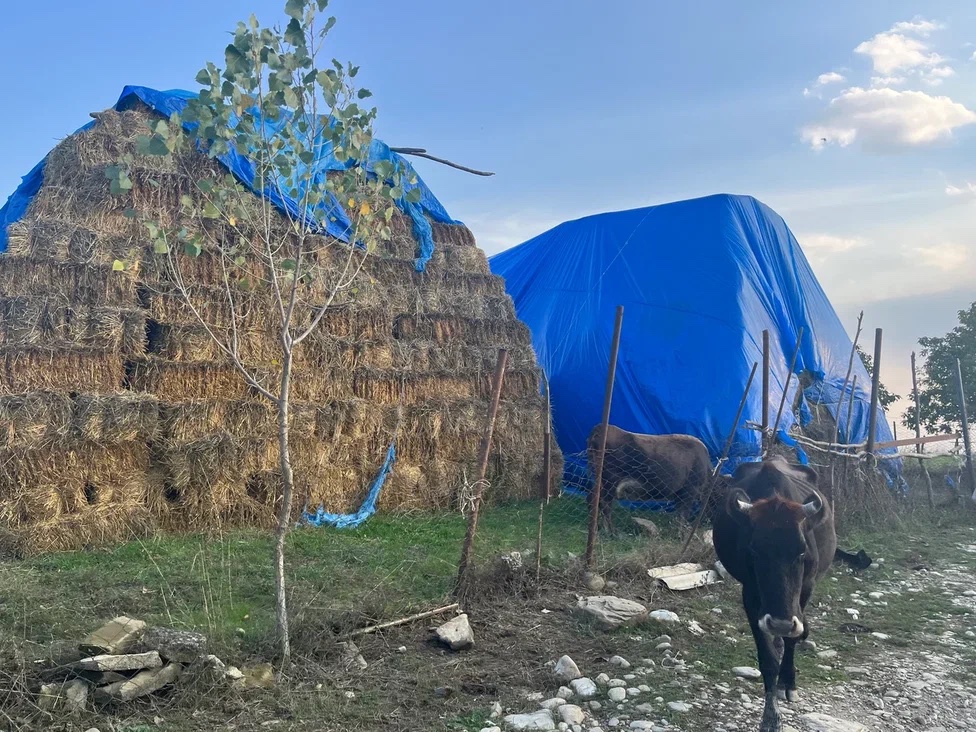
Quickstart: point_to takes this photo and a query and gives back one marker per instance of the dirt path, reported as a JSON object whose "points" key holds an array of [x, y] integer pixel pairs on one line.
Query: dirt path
{"points": [[894, 649]]}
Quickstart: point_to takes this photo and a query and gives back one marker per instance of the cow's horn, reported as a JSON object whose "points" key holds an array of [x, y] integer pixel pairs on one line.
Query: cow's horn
{"points": [[813, 506], [741, 502]]}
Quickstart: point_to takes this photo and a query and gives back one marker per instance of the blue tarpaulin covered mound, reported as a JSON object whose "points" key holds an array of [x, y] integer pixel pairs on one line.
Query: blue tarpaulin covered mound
{"points": [[699, 281], [170, 102]]}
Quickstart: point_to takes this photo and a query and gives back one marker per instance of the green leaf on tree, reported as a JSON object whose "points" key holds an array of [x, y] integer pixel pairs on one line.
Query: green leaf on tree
{"points": [[118, 265], [295, 9]]}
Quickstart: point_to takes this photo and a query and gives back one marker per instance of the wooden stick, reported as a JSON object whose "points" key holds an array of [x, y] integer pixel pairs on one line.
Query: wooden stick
{"points": [[402, 621], [718, 465], [765, 393], [422, 153], [875, 392], [918, 435], [786, 387], [597, 491], [479, 486]]}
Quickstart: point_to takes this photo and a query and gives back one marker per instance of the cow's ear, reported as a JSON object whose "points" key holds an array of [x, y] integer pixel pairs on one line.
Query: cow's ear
{"points": [[814, 509], [739, 505]]}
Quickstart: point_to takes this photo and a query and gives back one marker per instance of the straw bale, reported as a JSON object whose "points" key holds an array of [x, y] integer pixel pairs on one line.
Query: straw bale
{"points": [[34, 419], [172, 382], [466, 259], [55, 239], [109, 525], [193, 343], [51, 322], [68, 370], [322, 348], [444, 327], [94, 285], [452, 235], [79, 474], [116, 418], [185, 421]]}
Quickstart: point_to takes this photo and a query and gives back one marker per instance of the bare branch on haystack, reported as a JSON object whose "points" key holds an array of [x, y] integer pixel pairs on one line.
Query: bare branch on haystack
{"points": [[422, 153]]}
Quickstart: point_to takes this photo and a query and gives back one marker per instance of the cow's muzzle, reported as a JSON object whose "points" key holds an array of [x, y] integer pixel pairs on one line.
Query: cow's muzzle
{"points": [[792, 628]]}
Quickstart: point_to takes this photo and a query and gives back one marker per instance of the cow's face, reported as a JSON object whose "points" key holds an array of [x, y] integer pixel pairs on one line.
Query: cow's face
{"points": [[778, 550]]}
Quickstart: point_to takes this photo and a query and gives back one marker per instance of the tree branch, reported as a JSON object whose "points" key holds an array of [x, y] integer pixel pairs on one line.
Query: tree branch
{"points": [[422, 153]]}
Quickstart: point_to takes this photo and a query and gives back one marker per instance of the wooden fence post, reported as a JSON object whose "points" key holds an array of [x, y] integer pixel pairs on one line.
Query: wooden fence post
{"points": [[479, 486], [765, 394], [601, 450], [875, 385], [918, 434], [970, 468]]}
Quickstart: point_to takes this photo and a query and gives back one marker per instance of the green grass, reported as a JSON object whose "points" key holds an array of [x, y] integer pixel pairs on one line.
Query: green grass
{"points": [[389, 566]]}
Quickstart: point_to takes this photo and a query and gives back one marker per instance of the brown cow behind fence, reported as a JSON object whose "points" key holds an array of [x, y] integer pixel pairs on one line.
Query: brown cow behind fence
{"points": [[640, 467]]}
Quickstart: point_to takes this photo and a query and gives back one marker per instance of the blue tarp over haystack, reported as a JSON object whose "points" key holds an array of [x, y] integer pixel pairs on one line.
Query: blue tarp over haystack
{"points": [[699, 281], [170, 102]]}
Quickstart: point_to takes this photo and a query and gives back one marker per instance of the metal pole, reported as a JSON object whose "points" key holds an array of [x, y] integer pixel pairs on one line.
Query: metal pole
{"points": [[786, 386], [479, 486], [605, 421], [718, 465], [765, 393], [918, 434], [970, 468], [875, 384]]}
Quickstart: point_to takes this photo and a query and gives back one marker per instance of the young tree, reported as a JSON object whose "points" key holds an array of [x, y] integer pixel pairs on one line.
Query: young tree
{"points": [[885, 397], [938, 388], [273, 105]]}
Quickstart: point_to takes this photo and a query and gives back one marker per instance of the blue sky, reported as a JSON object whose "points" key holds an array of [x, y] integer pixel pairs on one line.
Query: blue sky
{"points": [[853, 120]]}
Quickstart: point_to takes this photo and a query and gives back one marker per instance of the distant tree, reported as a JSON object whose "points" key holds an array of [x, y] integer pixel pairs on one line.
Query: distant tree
{"points": [[885, 397], [938, 389]]}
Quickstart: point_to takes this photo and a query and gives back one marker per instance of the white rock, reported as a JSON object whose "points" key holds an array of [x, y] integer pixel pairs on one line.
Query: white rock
{"points": [[602, 680], [571, 714], [456, 633], [881, 636], [827, 654], [617, 694], [615, 683], [593, 582], [540, 721], [496, 710], [665, 616], [695, 629], [679, 706], [619, 662], [609, 612], [822, 723], [566, 669], [491, 729], [564, 692], [554, 703], [642, 725], [747, 672], [662, 647], [584, 688]]}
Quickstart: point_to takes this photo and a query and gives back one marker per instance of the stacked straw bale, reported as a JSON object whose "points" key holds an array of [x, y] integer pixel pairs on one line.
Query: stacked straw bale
{"points": [[119, 416]]}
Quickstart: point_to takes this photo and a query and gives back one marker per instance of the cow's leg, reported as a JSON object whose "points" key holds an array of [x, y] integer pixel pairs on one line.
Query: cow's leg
{"points": [[786, 686], [769, 663]]}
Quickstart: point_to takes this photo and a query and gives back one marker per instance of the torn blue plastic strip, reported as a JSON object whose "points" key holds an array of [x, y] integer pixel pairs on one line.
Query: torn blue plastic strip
{"points": [[321, 517]]}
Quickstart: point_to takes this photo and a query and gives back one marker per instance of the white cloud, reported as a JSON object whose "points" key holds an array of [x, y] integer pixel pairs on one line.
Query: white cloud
{"points": [[831, 77], [829, 243], [917, 25], [936, 76], [893, 50], [822, 246], [886, 81], [973, 57], [966, 189], [946, 257], [825, 79], [887, 118], [497, 233]]}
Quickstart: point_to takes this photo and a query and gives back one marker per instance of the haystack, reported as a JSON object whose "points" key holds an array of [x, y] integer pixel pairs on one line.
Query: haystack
{"points": [[120, 417]]}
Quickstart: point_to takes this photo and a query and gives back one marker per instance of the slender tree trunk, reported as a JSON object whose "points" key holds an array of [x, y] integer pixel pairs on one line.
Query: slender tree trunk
{"points": [[284, 513]]}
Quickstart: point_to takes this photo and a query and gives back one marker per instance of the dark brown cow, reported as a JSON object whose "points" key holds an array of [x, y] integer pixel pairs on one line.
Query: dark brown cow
{"points": [[775, 534], [650, 468]]}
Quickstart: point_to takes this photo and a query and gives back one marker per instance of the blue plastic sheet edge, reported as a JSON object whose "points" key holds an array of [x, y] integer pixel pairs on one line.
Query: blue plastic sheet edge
{"points": [[321, 517], [174, 101]]}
